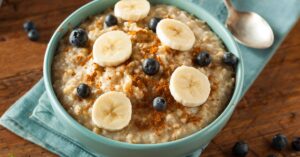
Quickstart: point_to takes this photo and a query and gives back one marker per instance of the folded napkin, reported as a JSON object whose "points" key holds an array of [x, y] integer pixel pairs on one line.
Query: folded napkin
{"points": [[32, 117]]}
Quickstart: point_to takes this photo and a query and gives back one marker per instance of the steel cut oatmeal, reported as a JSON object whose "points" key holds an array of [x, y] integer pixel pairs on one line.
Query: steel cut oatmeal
{"points": [[143, 73]]}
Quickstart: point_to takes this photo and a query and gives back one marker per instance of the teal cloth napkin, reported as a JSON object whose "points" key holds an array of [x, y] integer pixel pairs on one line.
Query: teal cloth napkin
{"points": [[32, 117]]}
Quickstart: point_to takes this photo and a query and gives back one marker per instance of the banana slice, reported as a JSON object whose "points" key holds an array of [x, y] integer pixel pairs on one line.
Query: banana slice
{"points": [[112, 111], [112, 48], [175, 34], [132, 10], [189, 86]]}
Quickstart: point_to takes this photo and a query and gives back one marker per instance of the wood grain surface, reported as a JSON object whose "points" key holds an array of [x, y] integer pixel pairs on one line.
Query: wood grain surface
{"points": [[271, 106]]}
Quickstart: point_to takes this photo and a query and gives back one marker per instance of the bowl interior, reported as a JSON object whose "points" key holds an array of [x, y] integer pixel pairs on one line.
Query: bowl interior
{"points": [[96, 7]]}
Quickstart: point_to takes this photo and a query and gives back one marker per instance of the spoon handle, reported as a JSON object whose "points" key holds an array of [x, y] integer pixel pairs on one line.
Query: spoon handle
{"points": [[229, 6]]}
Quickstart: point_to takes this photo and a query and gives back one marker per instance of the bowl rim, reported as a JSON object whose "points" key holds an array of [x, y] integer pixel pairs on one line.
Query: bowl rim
{"points": [[102, 139]]}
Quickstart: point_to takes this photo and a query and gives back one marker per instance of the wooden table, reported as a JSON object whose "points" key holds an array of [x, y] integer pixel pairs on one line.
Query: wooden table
{"points": [[271, 106]]}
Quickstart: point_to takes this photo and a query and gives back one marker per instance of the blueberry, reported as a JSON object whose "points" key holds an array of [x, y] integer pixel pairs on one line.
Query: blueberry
{"points": [[296, 144], [78, 37], [272, 155], [160, 104], [111, 20], [153, 23], [279, 142], [151, 66], [83, 91], [203, 59], [33, 35], [28, 25], [230, 59], [240, 149]]}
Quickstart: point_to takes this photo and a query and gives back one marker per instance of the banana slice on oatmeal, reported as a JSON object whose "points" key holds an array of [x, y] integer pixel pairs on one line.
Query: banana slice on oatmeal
{"points": [[132, 10], [112, 48], [189, 86], [112, 111], [175, 34]]}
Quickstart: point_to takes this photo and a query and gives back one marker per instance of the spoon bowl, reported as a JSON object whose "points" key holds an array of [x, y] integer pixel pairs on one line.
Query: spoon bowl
{"points": [[249, 28]]}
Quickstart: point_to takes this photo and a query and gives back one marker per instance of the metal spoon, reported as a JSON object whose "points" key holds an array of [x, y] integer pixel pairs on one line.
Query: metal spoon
{"points": [[249, 28]]}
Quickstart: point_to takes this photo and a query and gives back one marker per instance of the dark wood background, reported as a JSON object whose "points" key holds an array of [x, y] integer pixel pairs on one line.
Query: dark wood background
{"points": [[271, 106]]}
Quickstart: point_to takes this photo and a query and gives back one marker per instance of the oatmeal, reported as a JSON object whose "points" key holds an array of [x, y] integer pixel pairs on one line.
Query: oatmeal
{"points": [[91, 81]]}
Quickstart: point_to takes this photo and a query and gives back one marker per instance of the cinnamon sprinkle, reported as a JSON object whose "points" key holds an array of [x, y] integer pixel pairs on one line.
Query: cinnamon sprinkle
{"points": [[83, 61], [196, 50]]}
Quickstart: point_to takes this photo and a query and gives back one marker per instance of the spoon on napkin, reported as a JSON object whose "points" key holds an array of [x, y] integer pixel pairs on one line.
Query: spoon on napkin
{"points": [[249, 28]]}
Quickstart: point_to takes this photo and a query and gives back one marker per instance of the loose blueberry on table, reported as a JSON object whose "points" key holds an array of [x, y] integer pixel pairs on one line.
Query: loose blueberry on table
{"points": [[153, 23], [240, 149], [78, 38], [111, 20], [203, 59], [33, 35], [160, 104], [150, 66], [296, 144], [83, 91], [28, 25], [279, 142]]}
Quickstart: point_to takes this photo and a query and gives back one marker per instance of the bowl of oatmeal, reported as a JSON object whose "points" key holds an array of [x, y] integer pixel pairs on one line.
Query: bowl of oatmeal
{"points": [[149, 78]]}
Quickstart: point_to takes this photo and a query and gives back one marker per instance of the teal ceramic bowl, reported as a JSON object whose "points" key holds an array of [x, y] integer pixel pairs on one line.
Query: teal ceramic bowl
{"points": [[103, 146]]}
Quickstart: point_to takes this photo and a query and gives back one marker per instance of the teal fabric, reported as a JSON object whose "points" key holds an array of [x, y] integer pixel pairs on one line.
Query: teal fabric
{"points": [[32, 117]]}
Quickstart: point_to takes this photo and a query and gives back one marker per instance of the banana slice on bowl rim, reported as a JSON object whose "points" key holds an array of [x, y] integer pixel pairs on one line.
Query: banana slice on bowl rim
{"points": [[112, 48], [175, 34], [132, 10], [112, 111], [189, 86]]}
